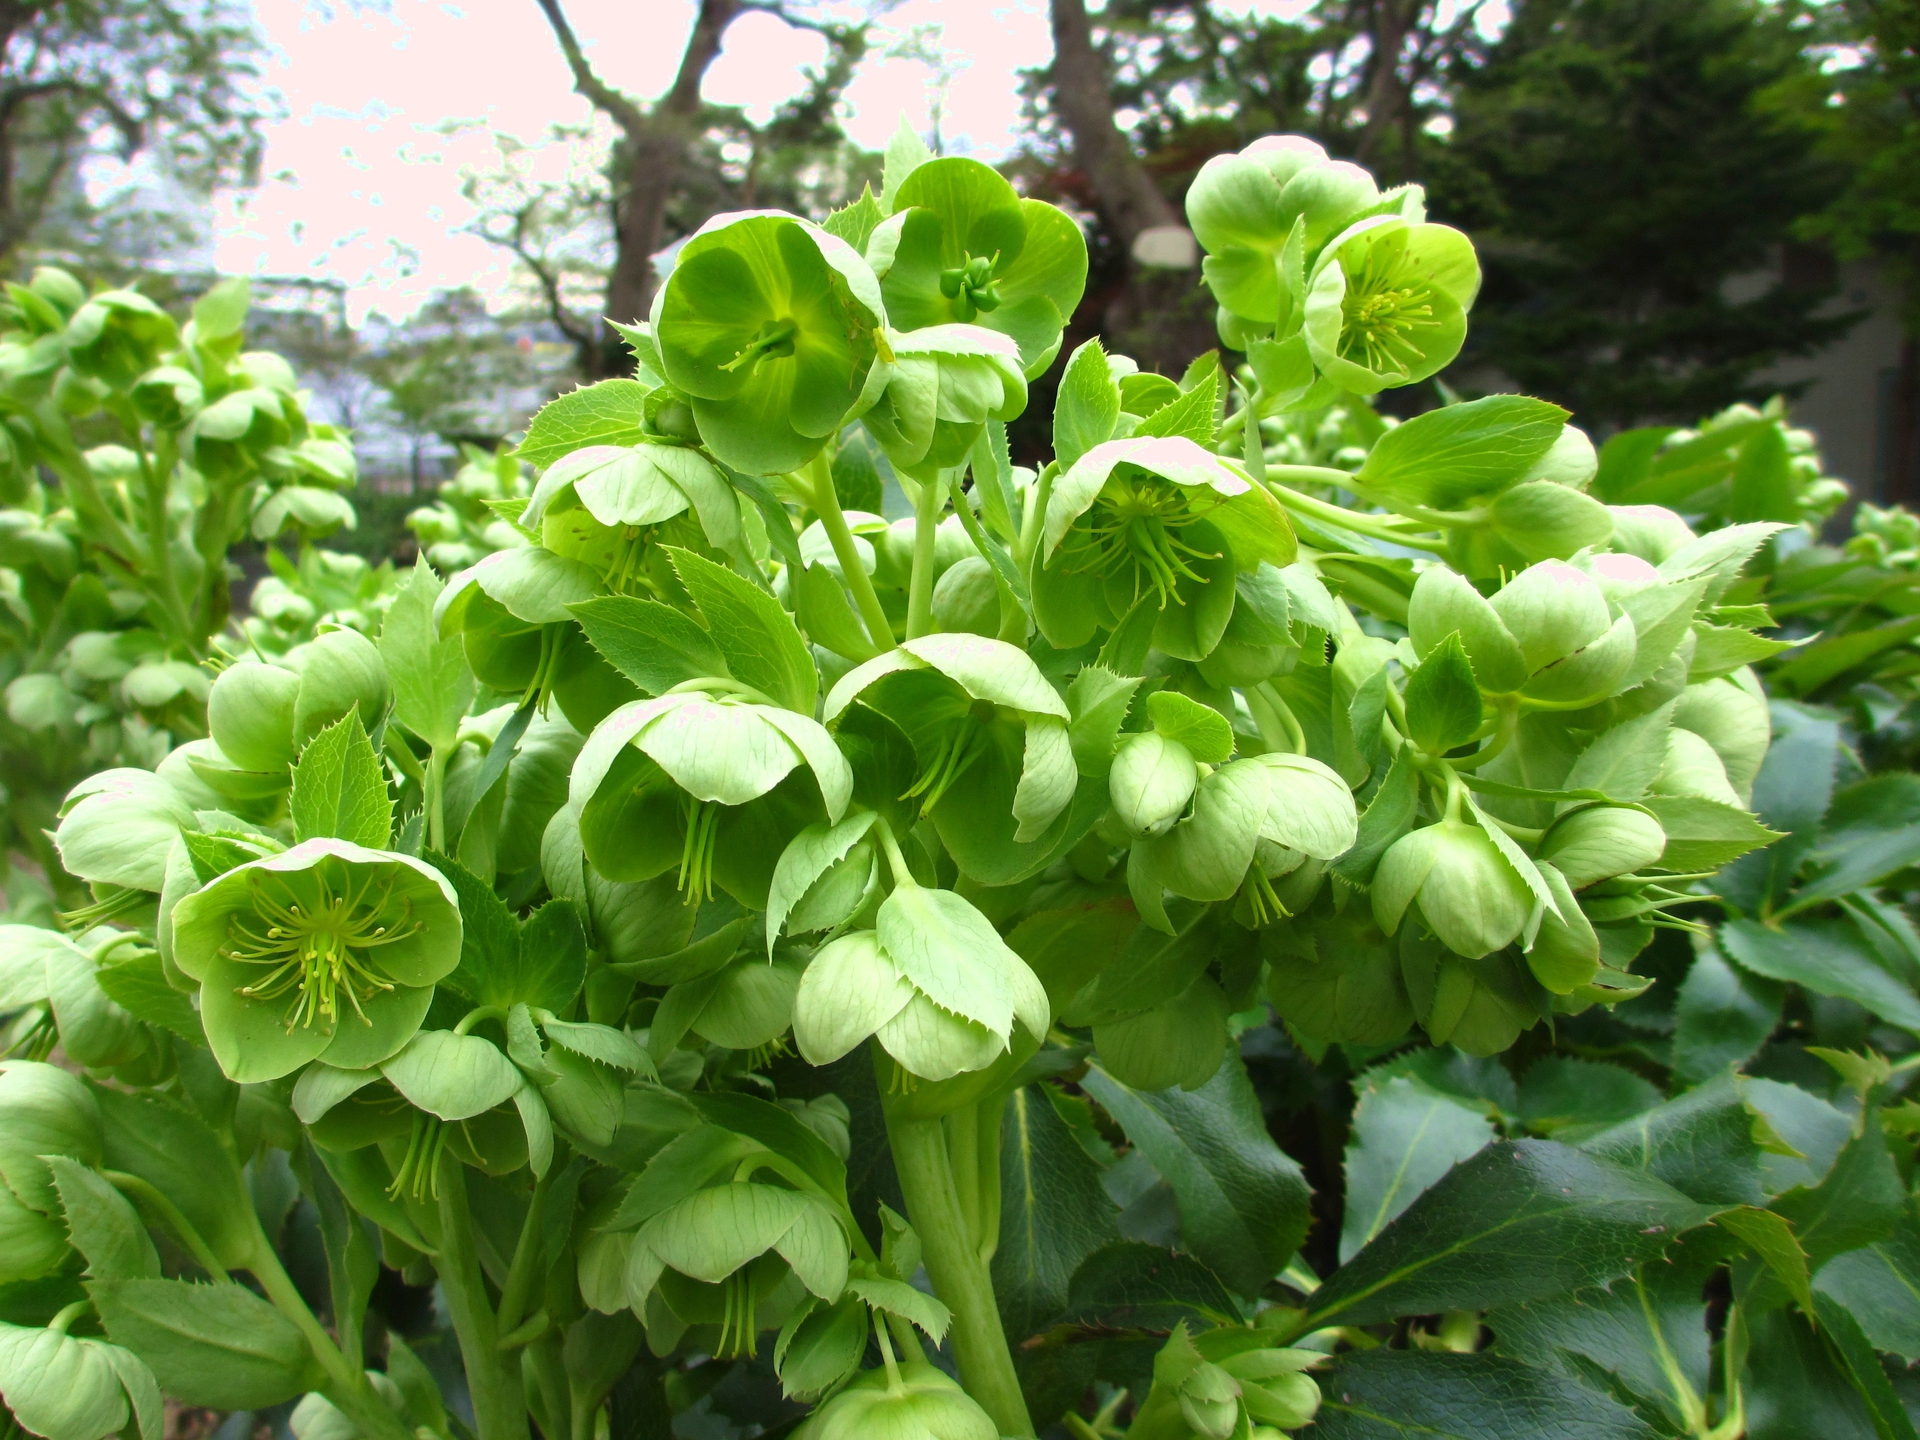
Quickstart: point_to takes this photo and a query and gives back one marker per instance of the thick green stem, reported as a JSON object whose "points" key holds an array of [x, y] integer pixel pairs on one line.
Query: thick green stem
{"points": [[493, 1379], [520, 1276], [436, 797], [347, 1387], [960, 1277], [1031, 520], [930, 500], [826, 504]]}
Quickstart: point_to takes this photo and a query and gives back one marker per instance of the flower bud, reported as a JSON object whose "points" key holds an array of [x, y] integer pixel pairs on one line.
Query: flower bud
{"points": [[1552, 610], [1444, 603], [1458, 883], [1694, 769], [338, 671], [968, 598], [1151, 782], [1601, 842], [71, 1388], [31, 1244], [1566, 952], [250, 715], [926, 1404], [44, 1110]]}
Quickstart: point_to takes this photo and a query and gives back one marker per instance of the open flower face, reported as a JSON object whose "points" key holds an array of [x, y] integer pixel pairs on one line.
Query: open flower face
{"points": [[973, 708], [1159, 518], [963, 248], [772, 327], [714, 784], [1387, 303], [327, 950]]}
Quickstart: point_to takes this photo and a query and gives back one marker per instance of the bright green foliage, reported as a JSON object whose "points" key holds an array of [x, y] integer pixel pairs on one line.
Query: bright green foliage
{"points": [[603, 930]]}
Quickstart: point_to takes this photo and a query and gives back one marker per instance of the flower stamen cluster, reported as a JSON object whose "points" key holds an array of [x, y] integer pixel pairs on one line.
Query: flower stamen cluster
{"points": [[316, 950]]}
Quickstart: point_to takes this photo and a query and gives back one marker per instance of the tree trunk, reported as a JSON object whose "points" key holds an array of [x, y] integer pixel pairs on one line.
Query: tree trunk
{"points": [[657, 149], [1387, 142], [1129, 200], [1903, 429]]}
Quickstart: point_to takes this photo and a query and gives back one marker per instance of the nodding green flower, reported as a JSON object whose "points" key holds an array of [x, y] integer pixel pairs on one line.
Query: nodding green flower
{"points": [[116, 828], [946, 382], [962, 247], [1481, 1004], [325, 951], [934, 983], [44, 1111], [717, 1255], [1730, 713], [711, 782], [1602, 841], [67, 1387], [605, 504], [118, 336], [262, 714], [1387, 302], [986, 727], [903, 1402], [1548, 634], [774, 329], [1157, 519], [1217, 1384], [1453, 877]]}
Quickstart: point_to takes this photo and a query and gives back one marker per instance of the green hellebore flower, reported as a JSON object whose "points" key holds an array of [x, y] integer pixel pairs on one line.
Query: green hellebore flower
{"points": [[1246, 210], [44, 1110], [261, 714], [922, 1403], [933, 982], [1481, 1005], [623, 492], [1602, 841], [1458, 883], [1387, 303], [1652, 532], [706, 782], [1565, 954], [44, 968], [717, 1237], [775, 330], [118, 336], [1252, 821], [116, 828], [1153, 516], [66, 1387], [1218, 1384], [1151, 783], [31, 1244], [327, 950], [1694, 769], [962, 247], [946, 382], [1548, 634], [250, 715], [962, 699], [1730, 713], [239, 431]]}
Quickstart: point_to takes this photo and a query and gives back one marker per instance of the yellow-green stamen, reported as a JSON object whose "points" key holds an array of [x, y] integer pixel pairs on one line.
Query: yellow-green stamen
{"points": [[318, 951]]}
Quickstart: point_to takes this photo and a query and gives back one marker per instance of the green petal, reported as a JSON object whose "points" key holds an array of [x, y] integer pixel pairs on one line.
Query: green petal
{"points": [[452, 1076], [393, 1018], [250, 1037], [951, 953], [936, 1044], [849, 990]]}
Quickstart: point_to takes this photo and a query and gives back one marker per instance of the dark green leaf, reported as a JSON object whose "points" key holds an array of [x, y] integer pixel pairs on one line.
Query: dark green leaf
{"points": [[1860, 1202], [1405, 1137], [1870, 831], [653, 645], [1722, 1017], [1516, 1222], [1054, 1212], [609, 413], [1829, 957], [1567, 1099], [1129, 1286], [1400, 1394], [339, 789], [1879, 1284], [1794, 1390], [1243, 1202], [748, 627], [782, 1132], [353, 1258], [552, 961], [139, 986], [489, 935], [1850, 1347], [215, 1345], [176, 1152], [1701, 1143], [1462, 452], [1443, 700]]}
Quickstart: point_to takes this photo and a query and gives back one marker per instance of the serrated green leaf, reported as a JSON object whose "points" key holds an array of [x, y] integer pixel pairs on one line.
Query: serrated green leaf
{"points": [[1443, 700], [1087, 405], [339, 789], [905, 153], [1879, 1283], [216, 1345], [178, 1153], [1195, 414], [757, 638], [103, 1225], [1402, 1394], [1054, 1212], [1405, 1137], [138, 985], [1849, 1344], [855, 222], [1447, 457], [1705, 834], [1828, 957], [653, 645], [608, 413], [432, 686], [1388, 816], [1860, 1202], [1700, 1142]]}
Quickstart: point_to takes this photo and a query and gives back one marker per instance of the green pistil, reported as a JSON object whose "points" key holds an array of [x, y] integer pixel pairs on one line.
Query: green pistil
{"points": [[317, 953], [696, 855], [773, 342], [959, 748], [971, 286], [418, 1173], [739, 1330]]}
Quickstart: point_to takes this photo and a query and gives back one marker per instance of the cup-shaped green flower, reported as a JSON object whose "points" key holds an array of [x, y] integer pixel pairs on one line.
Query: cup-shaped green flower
{"points": [[1154, 516], [116, 828], [603, 505], [976, 708], [933, 982], [1455, 880], [912, 1402], [1548, 634], [325, 951], [68, 1387], [738, 1240], [44, 1111], [962, 247], [946, 382], [1247, 209], [1730, 713], [118, 336], [773, 328], [711, 780], [1387, 302], [1602, 841], [1481, 1005]]}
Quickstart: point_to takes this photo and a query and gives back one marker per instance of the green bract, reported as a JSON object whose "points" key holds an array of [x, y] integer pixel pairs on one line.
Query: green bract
{"points": [[67, 1387], [917, 1403], [326, 951], [1156, 519], [774, 329], [711, 782], [1459, 883], [962, 247]]}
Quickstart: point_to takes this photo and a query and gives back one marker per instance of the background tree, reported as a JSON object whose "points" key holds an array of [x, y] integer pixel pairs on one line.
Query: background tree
{"points": [[1618, 163], [673, 164], [178, 79], [1869, 109]]}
